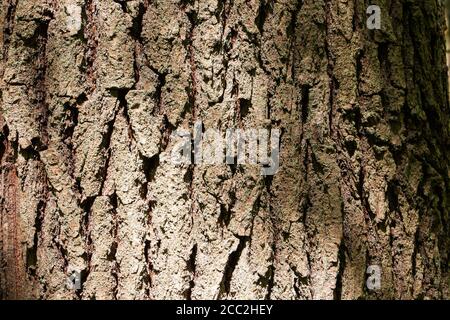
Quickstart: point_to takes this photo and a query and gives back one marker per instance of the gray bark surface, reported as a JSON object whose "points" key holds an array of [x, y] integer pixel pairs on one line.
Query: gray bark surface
{"points": [[91, 91]]}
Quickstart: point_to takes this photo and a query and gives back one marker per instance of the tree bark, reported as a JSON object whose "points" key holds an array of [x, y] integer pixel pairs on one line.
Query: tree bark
{"points": [[92, 91]]}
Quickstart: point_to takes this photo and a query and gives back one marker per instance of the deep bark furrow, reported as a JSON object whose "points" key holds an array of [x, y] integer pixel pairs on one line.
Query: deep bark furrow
{"points": [[93, 91]]}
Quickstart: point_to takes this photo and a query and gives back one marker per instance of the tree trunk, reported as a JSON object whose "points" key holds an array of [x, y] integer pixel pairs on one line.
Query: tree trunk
{"points": [[92, 91], [447, 33]]}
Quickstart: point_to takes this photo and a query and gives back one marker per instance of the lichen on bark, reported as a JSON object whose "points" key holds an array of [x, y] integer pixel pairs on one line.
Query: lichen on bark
{"points": [[92, 90]]}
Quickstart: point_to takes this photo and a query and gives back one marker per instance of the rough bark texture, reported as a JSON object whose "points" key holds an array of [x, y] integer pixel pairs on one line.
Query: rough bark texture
{"points": [[91, 91], [447, 33]]}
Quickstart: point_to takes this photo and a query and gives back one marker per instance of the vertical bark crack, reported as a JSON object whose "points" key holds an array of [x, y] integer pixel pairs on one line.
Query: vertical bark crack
{"points": [[230, 266]]}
